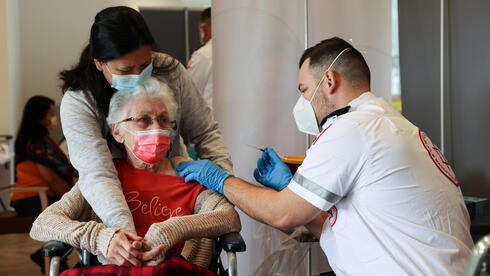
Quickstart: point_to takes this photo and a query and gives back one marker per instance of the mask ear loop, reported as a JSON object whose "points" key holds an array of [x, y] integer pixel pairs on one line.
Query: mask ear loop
{"points": [[125, 147], [325, 73], [107, 66], [318, 86], [337, 57], [127, 129]]}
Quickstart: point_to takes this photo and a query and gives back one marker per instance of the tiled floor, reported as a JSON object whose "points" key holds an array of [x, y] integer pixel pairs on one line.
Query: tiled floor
{"points": [[14, 255]]}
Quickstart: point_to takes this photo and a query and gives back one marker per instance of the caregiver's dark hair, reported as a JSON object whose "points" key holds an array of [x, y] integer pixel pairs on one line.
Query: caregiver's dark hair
{"points": [[115, 32], [31, 131]]}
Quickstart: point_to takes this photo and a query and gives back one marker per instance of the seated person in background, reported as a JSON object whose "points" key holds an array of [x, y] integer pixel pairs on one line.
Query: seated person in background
{"points": [[167, 212], [38, 158]]}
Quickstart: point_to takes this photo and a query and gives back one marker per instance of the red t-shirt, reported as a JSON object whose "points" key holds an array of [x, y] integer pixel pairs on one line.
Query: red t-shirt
{"points": [[154, 197]]}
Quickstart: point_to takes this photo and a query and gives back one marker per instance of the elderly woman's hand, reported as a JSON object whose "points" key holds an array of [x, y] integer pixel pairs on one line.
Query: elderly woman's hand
{"points": [[158, 241], [124, 248], [155, 256]]}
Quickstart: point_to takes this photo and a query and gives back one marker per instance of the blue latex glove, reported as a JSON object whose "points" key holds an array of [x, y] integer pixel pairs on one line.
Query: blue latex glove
{"points": [[271, 171], [205, 172]]}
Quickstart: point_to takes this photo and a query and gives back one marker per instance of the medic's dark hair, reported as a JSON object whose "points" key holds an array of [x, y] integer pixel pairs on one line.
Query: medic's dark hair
{"points": [[350, 65], [31, 131], [115, 32]]}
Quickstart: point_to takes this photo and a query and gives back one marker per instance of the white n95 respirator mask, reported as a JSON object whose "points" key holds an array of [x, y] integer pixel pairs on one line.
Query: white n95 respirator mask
{"points": [[303, 111], [305, 115]]}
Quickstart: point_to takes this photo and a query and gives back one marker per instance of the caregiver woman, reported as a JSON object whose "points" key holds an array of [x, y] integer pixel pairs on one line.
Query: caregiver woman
{"points": [[119, 56]]}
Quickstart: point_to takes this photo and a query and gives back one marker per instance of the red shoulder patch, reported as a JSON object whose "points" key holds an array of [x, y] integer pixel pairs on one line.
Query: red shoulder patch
{"points": [[438, 158], [332, 215]]}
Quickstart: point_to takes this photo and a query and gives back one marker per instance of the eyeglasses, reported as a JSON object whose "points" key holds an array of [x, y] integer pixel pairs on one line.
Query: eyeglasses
{"points": [[145, 121]]}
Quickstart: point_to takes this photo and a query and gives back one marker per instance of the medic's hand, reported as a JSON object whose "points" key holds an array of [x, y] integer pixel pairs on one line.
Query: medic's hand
{"points": [[271, 171], [205, 172]]}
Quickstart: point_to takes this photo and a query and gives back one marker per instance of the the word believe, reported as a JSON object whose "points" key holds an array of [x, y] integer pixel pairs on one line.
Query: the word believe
{"points": [[154, 208]]}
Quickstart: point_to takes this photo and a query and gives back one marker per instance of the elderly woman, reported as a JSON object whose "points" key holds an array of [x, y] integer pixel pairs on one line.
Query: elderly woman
{"points": [[166, 211]]}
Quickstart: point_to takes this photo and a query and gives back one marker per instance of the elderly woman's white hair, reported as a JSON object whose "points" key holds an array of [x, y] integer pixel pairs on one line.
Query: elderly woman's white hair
{"points": [[152, 88]]}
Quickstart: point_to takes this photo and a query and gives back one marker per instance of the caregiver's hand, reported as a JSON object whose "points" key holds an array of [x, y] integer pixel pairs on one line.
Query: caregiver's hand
{"points": [[124, 248], [205, 172], [271, 171]]}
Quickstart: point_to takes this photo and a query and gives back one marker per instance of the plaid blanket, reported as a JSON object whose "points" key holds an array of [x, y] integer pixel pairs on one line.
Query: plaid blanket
{"points": [[172, 266]]}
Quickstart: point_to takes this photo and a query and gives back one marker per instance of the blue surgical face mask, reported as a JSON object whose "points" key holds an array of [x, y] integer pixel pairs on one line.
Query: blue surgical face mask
{"points": [[128, 82]]}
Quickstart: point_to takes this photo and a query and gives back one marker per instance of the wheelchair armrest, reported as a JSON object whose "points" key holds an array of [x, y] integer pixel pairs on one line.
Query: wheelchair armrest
{"points": [[232, 242], [56, 248]]}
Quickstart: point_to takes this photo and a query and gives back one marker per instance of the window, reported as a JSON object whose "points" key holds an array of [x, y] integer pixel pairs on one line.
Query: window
{"points": [[396, 94]]}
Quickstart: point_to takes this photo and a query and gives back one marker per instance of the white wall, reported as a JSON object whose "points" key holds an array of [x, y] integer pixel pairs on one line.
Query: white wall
{"points": [[368, 24], [4, 95], [4, 80], [45, 37]]}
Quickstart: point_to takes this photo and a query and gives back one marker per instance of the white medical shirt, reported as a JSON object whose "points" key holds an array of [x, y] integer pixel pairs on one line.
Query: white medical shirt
{"points": [[200, 67], [394, 204]]}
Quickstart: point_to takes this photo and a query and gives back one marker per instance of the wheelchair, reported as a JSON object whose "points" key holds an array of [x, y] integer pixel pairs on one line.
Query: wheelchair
{"points": [[231, 243], [479, 261]]}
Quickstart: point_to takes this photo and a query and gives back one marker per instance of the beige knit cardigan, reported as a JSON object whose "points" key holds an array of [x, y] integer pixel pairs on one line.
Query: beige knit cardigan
{"points": [[72, 220]]}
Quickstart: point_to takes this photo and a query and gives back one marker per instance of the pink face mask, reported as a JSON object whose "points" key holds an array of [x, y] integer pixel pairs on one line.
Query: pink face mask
{"points": [[150, 146]]}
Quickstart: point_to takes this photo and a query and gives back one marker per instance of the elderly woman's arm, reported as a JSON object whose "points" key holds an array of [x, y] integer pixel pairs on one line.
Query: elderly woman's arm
{"points": [[214, 217], [71, 220], [68, 220]]}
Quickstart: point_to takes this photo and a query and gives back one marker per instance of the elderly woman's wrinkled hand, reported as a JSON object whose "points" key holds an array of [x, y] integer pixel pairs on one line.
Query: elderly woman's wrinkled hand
{"points": [[124, 248], [156, 243], [155, 256]]}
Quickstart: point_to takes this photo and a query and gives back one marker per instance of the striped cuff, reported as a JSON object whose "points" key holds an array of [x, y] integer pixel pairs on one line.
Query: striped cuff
{"points": [[103, 240], [316, 189]]}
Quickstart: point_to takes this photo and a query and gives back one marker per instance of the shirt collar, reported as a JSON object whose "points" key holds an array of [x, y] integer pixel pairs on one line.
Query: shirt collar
{"points": [[337, 112], [352, 105]]}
